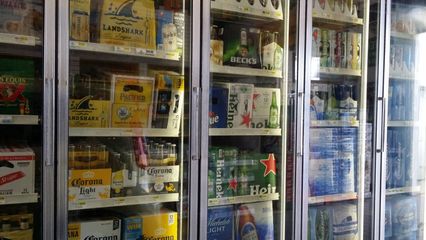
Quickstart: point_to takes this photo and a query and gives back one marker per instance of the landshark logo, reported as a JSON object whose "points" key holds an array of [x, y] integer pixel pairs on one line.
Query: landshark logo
{"points": [[125, 16]]}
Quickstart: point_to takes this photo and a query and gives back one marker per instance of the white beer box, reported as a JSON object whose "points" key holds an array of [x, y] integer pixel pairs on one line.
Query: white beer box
{"points": [[262, 100], [255, 221], [16, 171], [161, 179], [240, 104], [95, 229], [345, 221]]}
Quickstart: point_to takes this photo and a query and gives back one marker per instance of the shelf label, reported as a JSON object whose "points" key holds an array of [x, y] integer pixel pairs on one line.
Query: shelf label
{"points": [[25, 40], [120, 201], [79, 44], [148, 52], [2, 200], [123, 49], [6, 119]]}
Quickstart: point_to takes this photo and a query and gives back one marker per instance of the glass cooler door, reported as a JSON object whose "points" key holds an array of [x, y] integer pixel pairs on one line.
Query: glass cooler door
{"points": [[26, 117], [337, 126], [244, 119], [406, 121], [126, 97]]}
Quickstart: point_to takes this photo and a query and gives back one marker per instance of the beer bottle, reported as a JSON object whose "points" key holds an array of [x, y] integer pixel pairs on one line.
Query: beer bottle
{"points": [[243, 43], [130, 175], [71, 156], [246, 225], [274, 112], [117, 183]]}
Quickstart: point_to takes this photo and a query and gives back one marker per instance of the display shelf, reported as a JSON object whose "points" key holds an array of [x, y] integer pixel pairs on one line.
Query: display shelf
{"points": [[336, 18], [19, 39], [19, 199], [402, 76], [123, 132], [223, 7], [409, 190], [123, 50], [402, 123], [333, 198], [123, 201], [19, 119], [340, 71], [245, 132], [243, 199], [401, 35], [334, 123], [228, 70]]}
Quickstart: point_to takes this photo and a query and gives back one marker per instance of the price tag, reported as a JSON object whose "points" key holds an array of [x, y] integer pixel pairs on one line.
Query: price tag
{"points": [[155, 197], [6, 119], [25, 40], [123, 49], [120, 201], [2, 200], [79, 44], [81, 205]]}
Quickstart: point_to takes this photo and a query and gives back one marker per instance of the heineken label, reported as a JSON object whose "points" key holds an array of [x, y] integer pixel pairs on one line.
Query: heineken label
{"points": [[262, 101]]}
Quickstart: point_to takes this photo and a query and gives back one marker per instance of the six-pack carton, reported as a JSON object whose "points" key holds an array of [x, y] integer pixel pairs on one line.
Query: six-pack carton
{"points": [[255, 221], [220, 223], [162, 224], [262, 101], [89, 184], [17, 169], [95, 229], [159, 179]]}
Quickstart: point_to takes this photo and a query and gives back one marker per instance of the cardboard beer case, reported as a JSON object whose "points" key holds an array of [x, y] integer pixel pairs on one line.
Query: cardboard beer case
{"points": [[129, 23], [95, 229], [163, 18], [345, 221], [262, 100], [80, 19], [159, 179], [320, 225], [218, 107], [89, 184], [255, 221], [17, 88], [161, 224], [22, 17], [89, 113], [23, 231], [17, 170], [168, 101], [131, 228], [240, 104], [220, 223]]}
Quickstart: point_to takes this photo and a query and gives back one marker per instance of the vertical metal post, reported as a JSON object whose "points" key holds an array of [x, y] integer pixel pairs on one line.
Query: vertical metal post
{"points": [[49, 76], [204, 130], [62, 120], [194, 163], [303, 54], [380, 135]]}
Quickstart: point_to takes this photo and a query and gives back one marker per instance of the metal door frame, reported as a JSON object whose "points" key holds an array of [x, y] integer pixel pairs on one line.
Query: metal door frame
{"points": [[62, 120], [48, 119]]}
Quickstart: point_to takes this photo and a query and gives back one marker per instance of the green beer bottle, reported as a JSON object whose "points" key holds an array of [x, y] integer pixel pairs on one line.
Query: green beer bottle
{"points": [[274, 112]]}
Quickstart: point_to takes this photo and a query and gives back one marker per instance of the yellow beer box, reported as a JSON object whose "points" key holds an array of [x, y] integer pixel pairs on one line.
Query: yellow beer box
{"points": [[132, 89], [95, 229], [89, 113], [162, 225], [17, 227], [80, 15], [126, 115], [130, 23], [89, 184]]}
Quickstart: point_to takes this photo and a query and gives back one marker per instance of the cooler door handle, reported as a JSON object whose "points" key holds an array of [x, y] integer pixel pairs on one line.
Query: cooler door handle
{"points": [[49, 121], [384, 124]]}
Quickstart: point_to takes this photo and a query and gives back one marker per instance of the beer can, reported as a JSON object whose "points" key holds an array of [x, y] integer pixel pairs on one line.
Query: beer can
{"points": [[349, 49], [275, 4], [340, 8], [350, 6], [399, 56], [333, 45], [356, 56], [338, 51], [230, 171], [408, 61], [343, 46], [316, 42], [392, 57], [325, 48], [332, 4]]}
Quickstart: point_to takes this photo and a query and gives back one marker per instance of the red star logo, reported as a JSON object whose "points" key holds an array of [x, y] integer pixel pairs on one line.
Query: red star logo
{"points": [[255, 96], [233, 184], [269, 165], [246, 119]]}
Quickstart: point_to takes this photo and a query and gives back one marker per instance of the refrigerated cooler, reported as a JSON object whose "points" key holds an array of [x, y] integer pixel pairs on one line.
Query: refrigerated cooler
{"points": [[125, 99], [26, 87], [244, 127]]}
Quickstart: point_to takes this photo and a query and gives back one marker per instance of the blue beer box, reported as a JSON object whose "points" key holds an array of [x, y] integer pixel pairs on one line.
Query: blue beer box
{"points": [[220, 224], [388, 219], [404, 215], [132, 228], [218, 107], [163, 17]]}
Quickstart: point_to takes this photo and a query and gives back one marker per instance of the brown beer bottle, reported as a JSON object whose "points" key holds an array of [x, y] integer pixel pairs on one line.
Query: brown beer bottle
{"points": [[246, 224]]}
